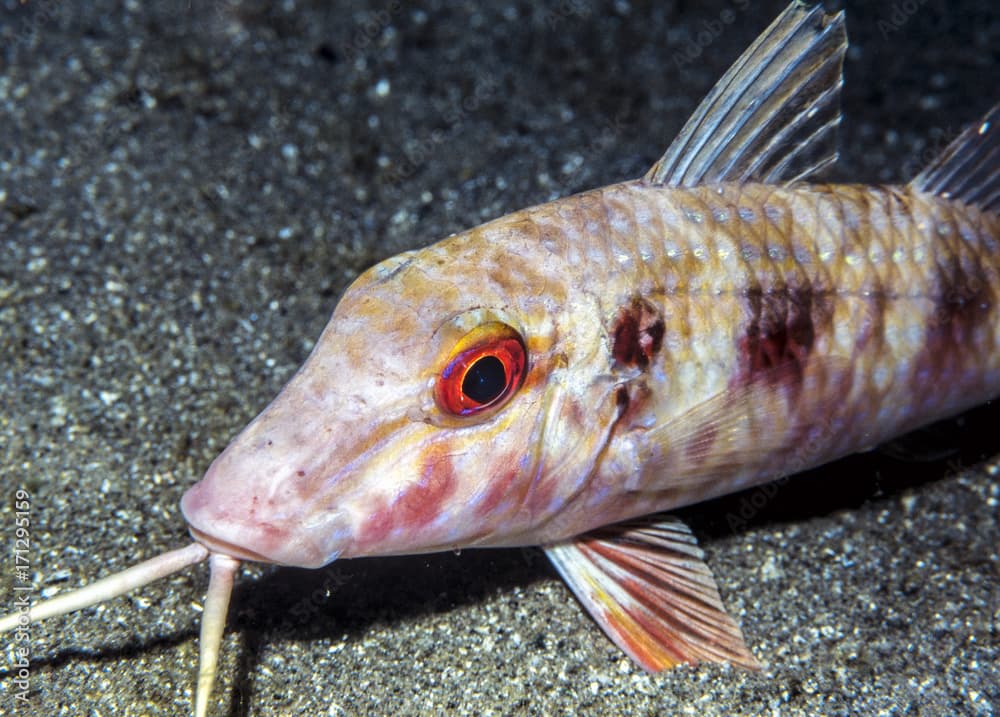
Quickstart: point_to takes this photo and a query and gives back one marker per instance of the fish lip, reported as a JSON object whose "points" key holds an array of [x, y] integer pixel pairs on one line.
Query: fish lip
{"points": [[222, 547], [229, 527], [289, 548]]}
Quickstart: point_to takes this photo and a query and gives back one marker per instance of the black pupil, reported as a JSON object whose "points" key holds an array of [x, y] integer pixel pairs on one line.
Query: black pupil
{"points": [[485, 380]]}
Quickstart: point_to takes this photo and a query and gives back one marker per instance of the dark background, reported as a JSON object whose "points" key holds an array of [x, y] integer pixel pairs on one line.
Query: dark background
{"points": [[186, 188]]}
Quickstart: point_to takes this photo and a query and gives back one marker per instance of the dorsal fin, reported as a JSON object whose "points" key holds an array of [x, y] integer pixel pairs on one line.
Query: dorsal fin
{"points": [[969, 168], [773, 116]]}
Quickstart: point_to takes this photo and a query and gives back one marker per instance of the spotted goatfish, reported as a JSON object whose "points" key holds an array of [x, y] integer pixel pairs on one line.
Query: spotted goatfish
{"points": [[562, 375]]}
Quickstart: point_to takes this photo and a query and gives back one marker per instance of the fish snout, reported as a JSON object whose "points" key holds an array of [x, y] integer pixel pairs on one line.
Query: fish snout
{"points": [[238, 510]]}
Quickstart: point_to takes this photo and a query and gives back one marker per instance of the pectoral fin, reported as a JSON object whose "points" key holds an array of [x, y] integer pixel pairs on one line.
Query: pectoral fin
{"points": [[647, 586], [773, 423]]}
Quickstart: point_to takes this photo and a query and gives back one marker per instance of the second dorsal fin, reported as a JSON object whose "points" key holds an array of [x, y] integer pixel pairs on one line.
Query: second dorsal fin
{"points": [[969, 168], [773, 116]]}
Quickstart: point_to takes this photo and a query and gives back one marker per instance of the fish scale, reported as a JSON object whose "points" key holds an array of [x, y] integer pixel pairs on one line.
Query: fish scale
{"points": [[862, 256], [877, 301]]}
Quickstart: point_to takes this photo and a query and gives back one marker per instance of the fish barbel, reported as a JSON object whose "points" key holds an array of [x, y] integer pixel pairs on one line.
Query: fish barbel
{"points": [[562, 375]]}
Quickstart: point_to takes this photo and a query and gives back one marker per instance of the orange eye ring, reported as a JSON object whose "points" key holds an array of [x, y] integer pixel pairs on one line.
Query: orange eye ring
{"points": [[485, 368]]}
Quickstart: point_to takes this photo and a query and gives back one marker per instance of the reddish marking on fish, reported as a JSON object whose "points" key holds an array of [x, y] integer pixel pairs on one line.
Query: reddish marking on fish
{"points": [[780, 331], [377, 525], [536, 497], [423, 501], [632, 400], [963, 304], [637, 333], [622, 400], [873, 325], [578, 415], [540, 496], [499, 488]]}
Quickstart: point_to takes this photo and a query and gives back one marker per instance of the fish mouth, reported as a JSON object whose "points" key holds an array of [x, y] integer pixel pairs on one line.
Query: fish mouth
{"points": [[293, 542], [222, 547]]}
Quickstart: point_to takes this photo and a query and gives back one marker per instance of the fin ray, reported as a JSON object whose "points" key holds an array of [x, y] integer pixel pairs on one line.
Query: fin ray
{"points": [[968, 170], [761, 114], [729, 442], [647, 586]]}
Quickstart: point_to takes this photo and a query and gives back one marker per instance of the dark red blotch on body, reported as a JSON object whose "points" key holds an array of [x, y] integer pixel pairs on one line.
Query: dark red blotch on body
{"points": [[962, 305], [636, 334], [780, 333]]}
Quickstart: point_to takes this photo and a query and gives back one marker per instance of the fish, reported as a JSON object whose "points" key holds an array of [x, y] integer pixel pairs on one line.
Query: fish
{"points": [[714, 325]]}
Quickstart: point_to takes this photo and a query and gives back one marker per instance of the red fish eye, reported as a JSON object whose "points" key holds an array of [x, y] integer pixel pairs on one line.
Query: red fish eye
{"points": [[485, 368]]}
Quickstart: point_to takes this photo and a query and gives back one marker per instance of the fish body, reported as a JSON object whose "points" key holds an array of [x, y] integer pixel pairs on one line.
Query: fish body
{"points": [[684, 343], [753, 331], [561, 375]]}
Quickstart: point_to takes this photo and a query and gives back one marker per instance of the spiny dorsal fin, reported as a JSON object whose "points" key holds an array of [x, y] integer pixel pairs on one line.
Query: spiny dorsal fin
{"points": [[647, 586], [969, 168], [773, 116]]}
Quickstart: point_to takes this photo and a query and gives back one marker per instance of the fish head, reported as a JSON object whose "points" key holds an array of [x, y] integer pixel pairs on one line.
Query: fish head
{"points": [[452, 400]]}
